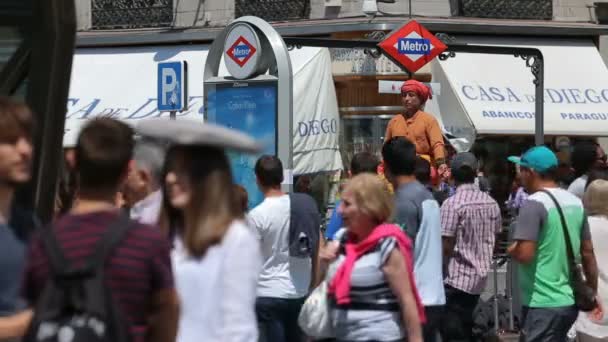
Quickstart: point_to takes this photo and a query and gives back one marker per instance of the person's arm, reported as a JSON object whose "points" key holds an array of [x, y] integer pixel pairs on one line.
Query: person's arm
{"points": [[436, 140], [163, 314], [389, 129], [15, 326], [531, 218], [316, 272], [588, 256], [243, 262], [399, 281], [449, 227]]}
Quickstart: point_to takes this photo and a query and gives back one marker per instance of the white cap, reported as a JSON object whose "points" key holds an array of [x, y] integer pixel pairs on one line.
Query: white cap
{"points": [[190, 132]]}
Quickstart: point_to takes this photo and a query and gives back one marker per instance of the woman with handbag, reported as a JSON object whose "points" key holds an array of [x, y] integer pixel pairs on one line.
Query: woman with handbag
{"points": [[370, 285]]}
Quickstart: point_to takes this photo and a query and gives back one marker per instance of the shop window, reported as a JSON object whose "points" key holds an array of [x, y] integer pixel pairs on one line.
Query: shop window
{"points": [[126, 14], [273, 10], [503, 9], [362, 133]]}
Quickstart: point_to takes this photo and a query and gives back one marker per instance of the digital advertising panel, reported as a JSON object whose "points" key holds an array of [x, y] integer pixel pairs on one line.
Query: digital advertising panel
{"points": [[250, 107]]}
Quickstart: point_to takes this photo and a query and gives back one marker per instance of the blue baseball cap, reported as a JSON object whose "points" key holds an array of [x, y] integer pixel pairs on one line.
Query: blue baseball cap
{"points": [[538, 158]]}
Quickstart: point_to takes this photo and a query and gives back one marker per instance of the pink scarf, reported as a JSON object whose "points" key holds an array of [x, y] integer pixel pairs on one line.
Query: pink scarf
{"points": [[340, 284]]}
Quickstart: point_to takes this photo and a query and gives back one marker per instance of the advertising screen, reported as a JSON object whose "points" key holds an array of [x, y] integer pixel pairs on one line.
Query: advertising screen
{"points": [[249, 107]]}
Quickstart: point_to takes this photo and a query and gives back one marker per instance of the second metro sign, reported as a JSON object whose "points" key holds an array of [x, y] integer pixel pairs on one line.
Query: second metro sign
{"points": [[412, 46]]}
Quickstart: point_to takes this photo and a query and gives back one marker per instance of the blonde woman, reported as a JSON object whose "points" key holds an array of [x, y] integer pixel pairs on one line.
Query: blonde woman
{"points": [[216, 257], [592, 326], [371, 288]]}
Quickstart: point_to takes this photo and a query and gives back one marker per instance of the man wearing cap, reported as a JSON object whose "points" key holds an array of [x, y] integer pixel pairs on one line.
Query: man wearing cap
{"points": [[419, 127], [470, 219], [548, 309]]}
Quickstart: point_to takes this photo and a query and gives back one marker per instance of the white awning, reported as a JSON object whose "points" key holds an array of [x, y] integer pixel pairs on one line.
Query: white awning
{"points": [[494, 94], [121, 82]]}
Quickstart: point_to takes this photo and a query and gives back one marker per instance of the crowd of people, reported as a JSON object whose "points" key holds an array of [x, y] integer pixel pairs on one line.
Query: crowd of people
{"points": [[153, 241]]}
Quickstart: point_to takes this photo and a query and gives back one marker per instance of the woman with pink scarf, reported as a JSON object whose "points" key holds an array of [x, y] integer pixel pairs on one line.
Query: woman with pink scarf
{"points": [[370, 282]]}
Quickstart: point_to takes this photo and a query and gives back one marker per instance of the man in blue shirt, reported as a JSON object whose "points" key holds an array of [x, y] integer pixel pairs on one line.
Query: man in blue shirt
{"points": [[417, 212], [16, 121], [361, 162]]}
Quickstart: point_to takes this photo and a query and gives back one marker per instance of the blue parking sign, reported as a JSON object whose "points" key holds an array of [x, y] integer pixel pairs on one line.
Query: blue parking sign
{"points": [[172, 88]]}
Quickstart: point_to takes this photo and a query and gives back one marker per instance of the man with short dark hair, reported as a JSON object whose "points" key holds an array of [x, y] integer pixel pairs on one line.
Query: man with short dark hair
{"points": [[285, 280], [361, 162], [470, 220], [138, 273], [540, 248], [417, 212], [423, 175]]}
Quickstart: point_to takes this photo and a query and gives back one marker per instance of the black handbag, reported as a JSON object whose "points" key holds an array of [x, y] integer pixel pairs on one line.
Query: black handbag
{"points": [[584, 296]]}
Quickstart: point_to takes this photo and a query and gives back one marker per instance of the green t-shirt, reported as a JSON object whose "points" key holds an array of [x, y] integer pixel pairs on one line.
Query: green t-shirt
{"points": [[545, 282]]}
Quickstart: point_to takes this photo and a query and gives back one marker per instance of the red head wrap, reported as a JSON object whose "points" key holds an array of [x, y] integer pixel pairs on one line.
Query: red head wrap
{"points": [[419, 88]]}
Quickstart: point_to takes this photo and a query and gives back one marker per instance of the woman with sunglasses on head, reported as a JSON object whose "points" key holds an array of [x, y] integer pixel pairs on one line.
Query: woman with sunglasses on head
{"points": [[216, 258]]}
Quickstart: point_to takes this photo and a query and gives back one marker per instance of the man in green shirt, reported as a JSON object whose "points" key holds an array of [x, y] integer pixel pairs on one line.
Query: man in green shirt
{"points": [[540, 249]]}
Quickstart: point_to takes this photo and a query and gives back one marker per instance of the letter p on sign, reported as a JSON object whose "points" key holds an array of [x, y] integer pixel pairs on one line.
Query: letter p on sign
{"points": [[171, 86]]}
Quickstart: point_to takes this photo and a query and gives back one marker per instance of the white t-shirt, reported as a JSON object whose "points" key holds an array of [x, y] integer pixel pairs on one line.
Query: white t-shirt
{"points": [[282, 276], [598, 226], [578, 186], [217, 292]]}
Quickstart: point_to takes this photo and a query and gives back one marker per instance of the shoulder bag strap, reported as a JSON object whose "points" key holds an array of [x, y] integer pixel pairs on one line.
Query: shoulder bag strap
{"points": [[57, 260], [569, 248], [115, 234]]}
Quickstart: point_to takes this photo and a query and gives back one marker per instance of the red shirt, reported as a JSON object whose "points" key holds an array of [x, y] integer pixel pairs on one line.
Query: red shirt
{"points": [[138, 268]]}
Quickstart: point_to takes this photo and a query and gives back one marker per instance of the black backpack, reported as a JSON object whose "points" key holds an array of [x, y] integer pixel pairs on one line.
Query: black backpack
{"points": [[304, 226], [76, 305]]}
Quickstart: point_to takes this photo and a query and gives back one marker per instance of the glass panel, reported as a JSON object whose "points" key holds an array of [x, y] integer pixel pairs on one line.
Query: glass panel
{"points": [[382, 127], [10, 38], [359, 136]]}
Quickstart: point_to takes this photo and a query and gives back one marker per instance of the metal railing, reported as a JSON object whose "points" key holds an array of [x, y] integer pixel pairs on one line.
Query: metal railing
{"points": [[273, 10], [503, 9], [127, 14]]}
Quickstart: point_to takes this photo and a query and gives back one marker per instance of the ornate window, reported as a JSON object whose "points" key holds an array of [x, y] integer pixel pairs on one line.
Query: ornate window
{"points": [[503, 9], [273, 10], [112, 14]]}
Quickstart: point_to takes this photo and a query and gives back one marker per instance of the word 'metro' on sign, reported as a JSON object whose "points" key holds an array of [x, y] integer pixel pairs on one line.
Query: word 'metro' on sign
{"points": [[241, 51], [414, 46]]}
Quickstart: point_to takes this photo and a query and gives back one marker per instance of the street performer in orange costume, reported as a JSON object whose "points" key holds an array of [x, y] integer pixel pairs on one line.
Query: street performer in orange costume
{"points": [[419, 127]]}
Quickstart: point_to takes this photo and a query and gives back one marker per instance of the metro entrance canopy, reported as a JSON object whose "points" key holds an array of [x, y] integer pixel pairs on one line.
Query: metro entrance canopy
{"points": [[424, 45]]}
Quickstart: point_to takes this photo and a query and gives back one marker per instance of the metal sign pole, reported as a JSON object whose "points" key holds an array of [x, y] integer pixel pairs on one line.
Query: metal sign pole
{"points": [[539, 113], [172, 115]]}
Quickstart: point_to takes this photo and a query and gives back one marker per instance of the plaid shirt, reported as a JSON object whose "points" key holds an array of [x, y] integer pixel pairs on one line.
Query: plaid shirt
{"points": [[473, 218]]}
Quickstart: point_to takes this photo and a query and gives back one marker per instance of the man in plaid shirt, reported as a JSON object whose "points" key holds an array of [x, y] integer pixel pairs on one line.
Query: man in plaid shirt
{"points": [[469, 221]]}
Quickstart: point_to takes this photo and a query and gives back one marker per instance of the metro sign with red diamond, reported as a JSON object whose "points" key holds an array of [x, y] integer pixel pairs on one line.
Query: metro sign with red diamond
{"points": [[241, 51], [412, 46]]}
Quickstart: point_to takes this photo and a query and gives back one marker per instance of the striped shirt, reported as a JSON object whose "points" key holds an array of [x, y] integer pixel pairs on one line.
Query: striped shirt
{"points": [[374, 312], [139, 267], [473, 218]]}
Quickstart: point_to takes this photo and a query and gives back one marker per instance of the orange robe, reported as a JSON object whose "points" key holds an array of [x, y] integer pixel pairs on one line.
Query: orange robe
{"points": [[423, 130]]}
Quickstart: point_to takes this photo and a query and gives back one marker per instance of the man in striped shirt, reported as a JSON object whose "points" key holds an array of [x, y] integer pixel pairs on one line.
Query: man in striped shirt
{"points": [[138, 271], [470, 220]]}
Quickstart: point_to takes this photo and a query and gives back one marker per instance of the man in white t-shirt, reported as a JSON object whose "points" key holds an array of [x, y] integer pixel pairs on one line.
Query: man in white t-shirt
{"points": [[284, 281]]}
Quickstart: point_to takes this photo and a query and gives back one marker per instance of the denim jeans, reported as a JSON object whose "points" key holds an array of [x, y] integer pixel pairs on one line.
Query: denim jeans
{"points": [[547, 324], [278, 319], [457, 322]]}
